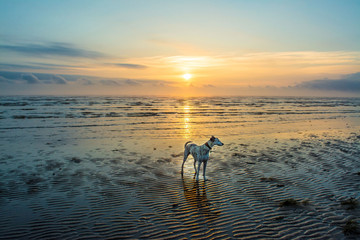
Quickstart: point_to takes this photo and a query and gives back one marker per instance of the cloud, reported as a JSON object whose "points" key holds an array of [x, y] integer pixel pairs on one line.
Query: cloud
{"points": [[85, 82], [37, 67], [32, 78], [348, 83], [52, 66], [55, 67], [5, 66], [51, 49], [131, 82], [58, 79], [24, 78], [130, 66], [108, 82], [4, 80]]}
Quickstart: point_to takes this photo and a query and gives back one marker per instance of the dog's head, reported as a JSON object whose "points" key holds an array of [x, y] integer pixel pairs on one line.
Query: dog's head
{"points": [[216, 141]]}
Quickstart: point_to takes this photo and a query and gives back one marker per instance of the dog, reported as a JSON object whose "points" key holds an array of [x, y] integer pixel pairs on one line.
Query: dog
{"points": [[200, 154]]}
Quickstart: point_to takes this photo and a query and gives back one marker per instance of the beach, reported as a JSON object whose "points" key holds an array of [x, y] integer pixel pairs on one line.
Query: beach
{"points": [[109, 168]]}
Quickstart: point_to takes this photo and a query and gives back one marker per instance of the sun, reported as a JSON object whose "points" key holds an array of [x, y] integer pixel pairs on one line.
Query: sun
{"points": [[187, 76]]}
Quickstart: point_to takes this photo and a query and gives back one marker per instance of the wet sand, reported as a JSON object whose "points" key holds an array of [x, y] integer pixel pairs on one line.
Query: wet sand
{"points": [[294, 181]]}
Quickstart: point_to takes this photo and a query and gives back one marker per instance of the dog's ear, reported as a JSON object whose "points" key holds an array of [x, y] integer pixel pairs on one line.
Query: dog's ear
{"points": [[212, 138]]}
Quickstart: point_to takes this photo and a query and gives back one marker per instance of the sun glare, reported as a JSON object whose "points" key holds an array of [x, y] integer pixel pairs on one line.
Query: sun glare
{"points": [[187, 76]]}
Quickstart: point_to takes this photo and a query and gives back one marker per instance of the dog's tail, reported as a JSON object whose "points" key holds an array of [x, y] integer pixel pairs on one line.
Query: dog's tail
{"points": [[187, 143], [186, 154]]}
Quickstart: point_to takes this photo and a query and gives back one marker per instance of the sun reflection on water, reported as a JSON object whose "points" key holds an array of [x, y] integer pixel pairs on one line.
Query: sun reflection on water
{"points": [[187, 121]]}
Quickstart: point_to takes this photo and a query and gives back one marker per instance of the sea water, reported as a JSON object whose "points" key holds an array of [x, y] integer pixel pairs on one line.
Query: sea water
{"points": [[74, 167]]}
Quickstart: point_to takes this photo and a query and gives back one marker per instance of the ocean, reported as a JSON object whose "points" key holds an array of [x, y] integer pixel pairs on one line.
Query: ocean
{"points": [[109, 167]]}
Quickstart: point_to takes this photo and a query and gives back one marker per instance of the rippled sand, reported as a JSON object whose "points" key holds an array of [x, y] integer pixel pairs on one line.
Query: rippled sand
{"points": [[118, 176]]}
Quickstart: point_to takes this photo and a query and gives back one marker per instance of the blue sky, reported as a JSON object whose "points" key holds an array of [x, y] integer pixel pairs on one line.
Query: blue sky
{"points": [[244, 43]]}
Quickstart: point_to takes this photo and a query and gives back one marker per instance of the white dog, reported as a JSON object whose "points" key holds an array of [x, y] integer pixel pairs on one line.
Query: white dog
{"points": [[200, 154]]}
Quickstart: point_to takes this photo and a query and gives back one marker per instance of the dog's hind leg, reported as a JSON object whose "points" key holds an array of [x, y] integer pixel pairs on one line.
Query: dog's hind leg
{"points": [[204, 170], [195, 174], [198, 170]]}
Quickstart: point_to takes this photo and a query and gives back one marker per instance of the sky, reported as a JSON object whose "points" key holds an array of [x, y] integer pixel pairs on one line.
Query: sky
{"points": [[180, 48]]}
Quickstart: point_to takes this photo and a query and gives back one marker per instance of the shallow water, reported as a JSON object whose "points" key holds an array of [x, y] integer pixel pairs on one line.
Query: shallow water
{"points": [[103, 167]]}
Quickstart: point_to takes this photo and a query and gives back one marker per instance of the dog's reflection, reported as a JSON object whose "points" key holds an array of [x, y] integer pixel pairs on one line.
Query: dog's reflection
{"points": [[195, 194]]}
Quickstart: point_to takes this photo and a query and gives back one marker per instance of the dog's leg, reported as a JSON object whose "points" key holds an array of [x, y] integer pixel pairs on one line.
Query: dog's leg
{"points": [[198, 170], [204, 170], [195, 165], [186, 154], [195, 174]]}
